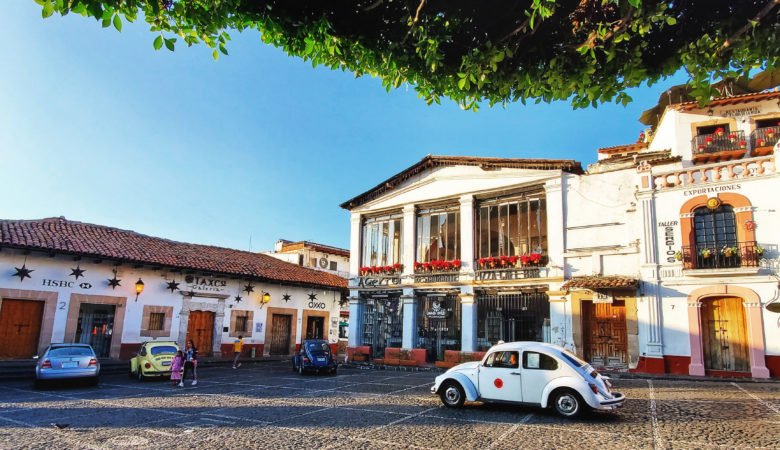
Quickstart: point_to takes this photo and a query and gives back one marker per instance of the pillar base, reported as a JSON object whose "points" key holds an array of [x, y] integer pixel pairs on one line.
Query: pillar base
{"points": [[696, 370], [759, 372], [650, 364]]}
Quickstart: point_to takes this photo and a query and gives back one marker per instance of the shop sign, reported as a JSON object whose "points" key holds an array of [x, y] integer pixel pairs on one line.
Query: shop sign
{"points": [[668, 240], [66, 284], [712, 189], [205, 284], [741, 112], [374, 282], [316, 305], [602, 297], [436, 311]]}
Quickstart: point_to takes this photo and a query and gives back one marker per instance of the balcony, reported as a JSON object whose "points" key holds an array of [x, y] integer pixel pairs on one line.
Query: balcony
{"points": [[742, 255], [511, 267], [763, 140], [719, 146]]}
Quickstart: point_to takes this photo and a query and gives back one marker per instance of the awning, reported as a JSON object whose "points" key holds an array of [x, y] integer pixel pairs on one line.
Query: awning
{"points": [[601, 282]]}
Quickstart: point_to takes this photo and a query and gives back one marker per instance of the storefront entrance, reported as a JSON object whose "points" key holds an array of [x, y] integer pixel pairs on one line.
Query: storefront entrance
{"points": [[438, 325], [96, 327], [724, 335], [200, 328], [382, 323], [605, 333], [512, 317], [315, 327], [281, 331], [20, 328]]}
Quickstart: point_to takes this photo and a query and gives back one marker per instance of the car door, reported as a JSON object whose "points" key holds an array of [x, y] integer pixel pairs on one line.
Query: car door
{"points": [[500, 377], [538, 370]]}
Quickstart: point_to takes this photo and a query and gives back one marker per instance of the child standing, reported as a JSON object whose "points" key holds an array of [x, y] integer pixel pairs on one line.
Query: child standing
{"points": [[177, 365], [238, 345]]}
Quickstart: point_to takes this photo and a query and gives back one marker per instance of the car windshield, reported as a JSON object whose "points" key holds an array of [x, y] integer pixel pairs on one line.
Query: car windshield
{"points": [[163, 350], [574, 359], [59, 352], [318, 348]]}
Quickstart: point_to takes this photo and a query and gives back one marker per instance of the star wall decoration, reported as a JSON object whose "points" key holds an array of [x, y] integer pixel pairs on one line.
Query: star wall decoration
{"points": [[172, 285], [286, 297], [237, 299], [312, 296], [114, 282], [249, 288], [23, 272], [77, 272]]}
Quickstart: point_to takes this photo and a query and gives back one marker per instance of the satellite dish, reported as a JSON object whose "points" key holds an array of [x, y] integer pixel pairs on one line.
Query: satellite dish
{"points": [[323, 263]]}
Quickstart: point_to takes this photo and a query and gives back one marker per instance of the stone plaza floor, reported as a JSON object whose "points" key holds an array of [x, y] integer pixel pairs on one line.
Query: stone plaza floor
{"points": [[268, 406]]}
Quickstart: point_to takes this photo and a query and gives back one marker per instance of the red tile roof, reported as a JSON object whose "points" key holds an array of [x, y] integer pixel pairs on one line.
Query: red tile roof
{"points": [[59, 235], [601, 282], [632, 148], [733, 100]]}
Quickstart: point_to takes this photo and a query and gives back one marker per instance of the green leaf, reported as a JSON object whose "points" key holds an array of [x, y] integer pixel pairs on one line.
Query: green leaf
{"points": [[169, 43], [158, 42], [117, 23], [215, 54], [48, 10], [309, 46], [223, 50], [107, 22], [671, 21]]}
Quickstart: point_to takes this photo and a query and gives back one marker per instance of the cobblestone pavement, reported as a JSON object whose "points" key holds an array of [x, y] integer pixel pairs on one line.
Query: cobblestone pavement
{"points": [[268, 406]]}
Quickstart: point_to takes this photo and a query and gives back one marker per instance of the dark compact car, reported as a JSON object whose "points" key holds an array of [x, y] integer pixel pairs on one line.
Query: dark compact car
{"points": [[314, 356], [67, 362]]}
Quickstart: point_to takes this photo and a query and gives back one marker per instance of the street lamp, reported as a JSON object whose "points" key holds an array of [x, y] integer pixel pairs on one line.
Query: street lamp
{"points": [[265, 298], [139, 287]]}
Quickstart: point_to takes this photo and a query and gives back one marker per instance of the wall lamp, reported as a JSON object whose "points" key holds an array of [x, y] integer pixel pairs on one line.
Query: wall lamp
{"points": [[265, 298], [139, 287]]}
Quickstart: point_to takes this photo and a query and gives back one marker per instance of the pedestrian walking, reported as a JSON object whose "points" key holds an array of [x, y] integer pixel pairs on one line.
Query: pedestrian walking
{"points": [[190, 363], [177, 365], [238, 345]]}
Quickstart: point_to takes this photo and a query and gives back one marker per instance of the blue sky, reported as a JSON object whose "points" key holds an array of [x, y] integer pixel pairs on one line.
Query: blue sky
{"points": [[98, 127]]}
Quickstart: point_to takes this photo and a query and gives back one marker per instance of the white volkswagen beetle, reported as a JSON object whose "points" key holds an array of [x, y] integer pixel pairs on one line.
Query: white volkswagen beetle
{"points": [[529, 373]]}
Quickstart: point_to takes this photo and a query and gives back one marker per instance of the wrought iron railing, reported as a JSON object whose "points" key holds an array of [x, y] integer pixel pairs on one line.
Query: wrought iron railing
{"points": [[718, 142], [742, 254], [765, 137], [511, 273]]}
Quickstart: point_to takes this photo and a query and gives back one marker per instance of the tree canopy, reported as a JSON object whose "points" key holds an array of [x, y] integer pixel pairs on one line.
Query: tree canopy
{"points": [[474, 51]]}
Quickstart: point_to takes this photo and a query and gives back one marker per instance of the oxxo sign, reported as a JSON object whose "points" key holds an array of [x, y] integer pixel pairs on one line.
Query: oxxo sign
{"points": [[316, 305], [668, 240]]}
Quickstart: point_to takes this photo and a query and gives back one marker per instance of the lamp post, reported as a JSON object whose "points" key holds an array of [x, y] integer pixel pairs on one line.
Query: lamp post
{"points": [[139, 287]]}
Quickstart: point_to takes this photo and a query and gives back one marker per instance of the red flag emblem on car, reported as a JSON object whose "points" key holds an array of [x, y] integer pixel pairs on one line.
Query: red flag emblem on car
{"points": [[498, 382]]}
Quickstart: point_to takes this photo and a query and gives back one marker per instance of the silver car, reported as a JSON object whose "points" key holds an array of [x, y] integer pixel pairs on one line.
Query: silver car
{"points": [[67, 362]]}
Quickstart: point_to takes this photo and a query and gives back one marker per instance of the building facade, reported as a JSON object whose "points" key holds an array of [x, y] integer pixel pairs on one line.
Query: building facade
{"points": [[662, 257], [65, 281], [313, 255]]}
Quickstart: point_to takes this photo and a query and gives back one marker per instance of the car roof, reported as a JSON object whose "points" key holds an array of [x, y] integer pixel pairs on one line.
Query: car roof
{"points": [[161, 342], [527, 345], [69, 345]]}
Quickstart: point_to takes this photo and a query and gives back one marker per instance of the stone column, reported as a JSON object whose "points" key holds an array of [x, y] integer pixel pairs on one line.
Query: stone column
{"points": [[355, 321], [556, 224], [184, 320], [467, 231], [650, 271], [410, 319], [354, 245], [219, 323], [468, 337], [755, 335], [694, 331]]}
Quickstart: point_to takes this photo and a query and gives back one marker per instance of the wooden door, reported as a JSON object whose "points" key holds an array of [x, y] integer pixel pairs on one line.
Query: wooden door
{"points": [[200, 329], [20, 328], [315, 328], [724, 335], [605, 333], [281, 325]]}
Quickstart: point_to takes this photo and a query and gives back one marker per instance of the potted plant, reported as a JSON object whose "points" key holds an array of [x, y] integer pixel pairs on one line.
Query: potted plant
{"points": [[678, 255], [742, 144], [759, 251], [728, 252], [535, 258], [760, 143], [719, 131], [733, 137], [700, 147], [709, 140], [705, 253], [770, 133]]}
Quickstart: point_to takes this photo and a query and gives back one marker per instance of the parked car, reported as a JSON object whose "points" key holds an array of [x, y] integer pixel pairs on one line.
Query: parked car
{"points": [[153, 359], [529, 373], [314, 356], [67, 362]]}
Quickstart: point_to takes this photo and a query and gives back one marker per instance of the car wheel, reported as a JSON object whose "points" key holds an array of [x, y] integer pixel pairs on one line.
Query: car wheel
{"points": [[452, 395], [140, 375], [568, 403]]}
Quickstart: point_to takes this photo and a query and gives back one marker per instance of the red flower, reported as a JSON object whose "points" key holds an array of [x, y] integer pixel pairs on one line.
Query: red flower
{"points": [[426, 266], [708, 139], [456, 263], [513, 259], [524, 259], [535, 258], [742, 143], [719, 130], [733, 136], [398, 267], [389, 269], [760, 142], [417, 266]]}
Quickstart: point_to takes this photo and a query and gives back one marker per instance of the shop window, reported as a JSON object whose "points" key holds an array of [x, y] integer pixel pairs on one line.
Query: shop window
{"points": [[382, 241], [511, 318], [539, 361], [242, 323], [156, 321], [512, 227], [438, 234], [334, 265], [382, 320]]}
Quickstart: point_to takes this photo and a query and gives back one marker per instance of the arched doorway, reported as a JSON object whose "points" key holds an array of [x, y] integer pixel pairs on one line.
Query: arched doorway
{"points": [[724, 335]]}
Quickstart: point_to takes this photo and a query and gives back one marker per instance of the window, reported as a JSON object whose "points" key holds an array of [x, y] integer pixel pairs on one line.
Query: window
{"points": [[242, 323], [382, 241], [539, 361], [503, 360], [438, 234], [313, 262], [710, 129], [156, 321], [334, 265], [512, 227]]}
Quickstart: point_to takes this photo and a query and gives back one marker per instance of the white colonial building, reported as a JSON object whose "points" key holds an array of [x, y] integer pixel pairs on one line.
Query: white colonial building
{"points": [[662, 258], [66, 281]]}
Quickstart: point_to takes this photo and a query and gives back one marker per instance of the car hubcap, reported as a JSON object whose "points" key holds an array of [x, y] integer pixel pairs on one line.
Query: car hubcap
{"points": [[452, 395], [567, 404]]}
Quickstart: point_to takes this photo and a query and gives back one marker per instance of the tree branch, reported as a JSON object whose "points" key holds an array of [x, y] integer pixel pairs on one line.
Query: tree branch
{"points": [[764, 11]]}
